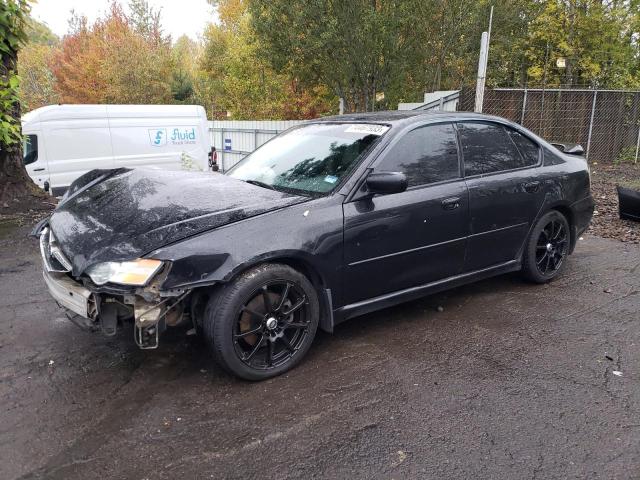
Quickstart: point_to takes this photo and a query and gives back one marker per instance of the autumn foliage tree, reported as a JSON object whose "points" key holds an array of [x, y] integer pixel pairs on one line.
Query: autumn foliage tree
{"points": [[118, 59], [244, 83]]}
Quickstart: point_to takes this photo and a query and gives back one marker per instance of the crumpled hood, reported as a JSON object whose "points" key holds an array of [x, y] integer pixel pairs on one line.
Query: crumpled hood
{"points": [[123, 214]]}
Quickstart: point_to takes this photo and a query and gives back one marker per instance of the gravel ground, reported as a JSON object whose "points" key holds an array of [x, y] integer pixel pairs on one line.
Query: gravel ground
{"points": [[606, 221], [510, 380]]}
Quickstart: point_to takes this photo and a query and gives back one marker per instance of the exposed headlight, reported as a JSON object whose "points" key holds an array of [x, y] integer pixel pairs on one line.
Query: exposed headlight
{"points": [[135, 272]]}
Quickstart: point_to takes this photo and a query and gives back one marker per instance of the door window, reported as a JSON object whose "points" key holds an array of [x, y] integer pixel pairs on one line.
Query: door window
{"points": [[487, 148], [30, 149], [425, 155]]}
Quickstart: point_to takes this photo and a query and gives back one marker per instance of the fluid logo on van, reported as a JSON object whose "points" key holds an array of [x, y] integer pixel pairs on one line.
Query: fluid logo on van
{"points": [[158, 137], [182, 136]]}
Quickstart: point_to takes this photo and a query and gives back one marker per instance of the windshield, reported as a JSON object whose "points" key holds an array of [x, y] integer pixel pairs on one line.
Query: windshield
{"points": [[310, 159]]}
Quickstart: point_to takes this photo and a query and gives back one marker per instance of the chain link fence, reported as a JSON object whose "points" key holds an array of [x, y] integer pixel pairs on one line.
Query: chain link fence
{"points": [[605, 122]]}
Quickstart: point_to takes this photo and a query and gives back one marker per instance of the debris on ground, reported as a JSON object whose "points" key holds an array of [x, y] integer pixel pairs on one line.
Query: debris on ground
{"points": [[617, 373], [607, 223]]}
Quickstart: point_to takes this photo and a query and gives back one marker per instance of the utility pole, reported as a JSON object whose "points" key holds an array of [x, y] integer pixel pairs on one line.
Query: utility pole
{"points": [[482, 65]]}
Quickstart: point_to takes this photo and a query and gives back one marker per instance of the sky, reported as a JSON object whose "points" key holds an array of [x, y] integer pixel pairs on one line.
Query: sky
{"points": [[178, 16]]}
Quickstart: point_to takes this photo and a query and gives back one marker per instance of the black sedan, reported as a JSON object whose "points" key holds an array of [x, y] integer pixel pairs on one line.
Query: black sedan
{"points": [[332, 219]]}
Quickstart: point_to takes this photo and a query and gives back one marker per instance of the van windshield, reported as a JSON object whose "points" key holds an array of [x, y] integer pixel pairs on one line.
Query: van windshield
{"points": [[311, 159], [30, 149]]}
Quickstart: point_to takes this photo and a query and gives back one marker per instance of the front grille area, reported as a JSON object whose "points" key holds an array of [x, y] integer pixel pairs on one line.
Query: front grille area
{"points": [[53, 258]]}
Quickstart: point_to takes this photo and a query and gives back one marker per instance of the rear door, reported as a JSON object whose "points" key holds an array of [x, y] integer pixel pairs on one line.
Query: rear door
{"points": [[398, 241], [502, 172]]}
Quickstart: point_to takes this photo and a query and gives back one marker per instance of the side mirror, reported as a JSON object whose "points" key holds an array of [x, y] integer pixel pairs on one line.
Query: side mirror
{"points": [[385, 183]]}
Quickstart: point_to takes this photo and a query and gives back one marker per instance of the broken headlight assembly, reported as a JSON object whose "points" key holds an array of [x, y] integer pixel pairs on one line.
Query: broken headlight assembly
{"points": [[135, 272]]}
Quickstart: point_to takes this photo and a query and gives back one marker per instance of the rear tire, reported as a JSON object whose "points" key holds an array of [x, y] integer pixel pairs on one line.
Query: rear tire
{"points": [[547, 248], [263, 323]]}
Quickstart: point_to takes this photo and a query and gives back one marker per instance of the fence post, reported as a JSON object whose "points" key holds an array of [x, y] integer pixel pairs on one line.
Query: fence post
{"points": [[524, 107], [222, 149], [593, 111], [637, 144]]}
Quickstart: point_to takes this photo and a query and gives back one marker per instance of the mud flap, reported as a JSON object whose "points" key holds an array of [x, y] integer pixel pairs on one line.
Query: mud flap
{"points": [[108, 319]]}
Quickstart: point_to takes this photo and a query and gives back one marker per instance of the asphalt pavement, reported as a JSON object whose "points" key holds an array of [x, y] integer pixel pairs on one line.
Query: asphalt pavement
{"points": [[509, 380]]}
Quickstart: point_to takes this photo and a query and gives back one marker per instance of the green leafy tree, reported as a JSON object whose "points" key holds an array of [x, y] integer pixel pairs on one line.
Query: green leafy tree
{"points": [[598, 39], [355, 48]]}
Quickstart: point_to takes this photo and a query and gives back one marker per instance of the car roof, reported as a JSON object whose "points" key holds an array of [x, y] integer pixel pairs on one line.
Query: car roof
{"points": [[398, 117]]}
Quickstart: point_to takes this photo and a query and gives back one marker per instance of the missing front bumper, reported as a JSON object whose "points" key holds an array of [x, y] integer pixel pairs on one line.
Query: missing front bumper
{"points": [[70, 295]]}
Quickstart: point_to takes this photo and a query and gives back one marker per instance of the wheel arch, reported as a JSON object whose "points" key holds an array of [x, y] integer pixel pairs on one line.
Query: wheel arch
{"points": [[305, 267], [567, 213]]}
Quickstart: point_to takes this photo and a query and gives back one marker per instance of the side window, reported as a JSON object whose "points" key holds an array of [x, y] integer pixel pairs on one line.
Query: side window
{"points": [[425, 155], [487, 148], [30, 149], [528, 149]]}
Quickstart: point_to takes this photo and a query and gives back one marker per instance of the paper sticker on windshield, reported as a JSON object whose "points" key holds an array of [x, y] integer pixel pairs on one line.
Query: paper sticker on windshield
{"points": [[330, 179], [368, 129]]}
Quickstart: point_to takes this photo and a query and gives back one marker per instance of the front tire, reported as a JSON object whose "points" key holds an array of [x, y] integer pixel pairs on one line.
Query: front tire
{"points": [[547, 248], [263, 323]]}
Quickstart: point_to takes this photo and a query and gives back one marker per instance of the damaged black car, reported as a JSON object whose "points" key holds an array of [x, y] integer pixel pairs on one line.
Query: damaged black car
{"points": [[332, 219]]}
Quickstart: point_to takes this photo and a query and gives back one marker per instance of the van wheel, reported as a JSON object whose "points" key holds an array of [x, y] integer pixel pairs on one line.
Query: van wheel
{"points": [[263, 323], [547, 248]]}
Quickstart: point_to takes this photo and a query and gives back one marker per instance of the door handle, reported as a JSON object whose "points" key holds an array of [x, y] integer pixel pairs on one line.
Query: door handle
{"points": [[451, 203], [531, 187], [38, 169]]}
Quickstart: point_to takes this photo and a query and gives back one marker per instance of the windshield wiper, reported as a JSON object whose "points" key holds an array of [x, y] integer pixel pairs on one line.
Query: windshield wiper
{"points": [[260, 184]]}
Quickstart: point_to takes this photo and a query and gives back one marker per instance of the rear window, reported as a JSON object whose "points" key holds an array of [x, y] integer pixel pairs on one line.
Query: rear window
{"points": [[528, 149], [487, 148], [30, 149]]}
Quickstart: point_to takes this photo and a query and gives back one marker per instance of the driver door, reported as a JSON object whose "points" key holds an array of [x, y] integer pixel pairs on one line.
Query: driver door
{"points": [[403, 240]]}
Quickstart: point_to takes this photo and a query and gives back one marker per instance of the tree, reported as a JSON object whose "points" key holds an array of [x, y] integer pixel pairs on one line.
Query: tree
{"points": [[241, 82], [598, 40], [14, 181], [37, 82], [115, 60], [355, 48]]}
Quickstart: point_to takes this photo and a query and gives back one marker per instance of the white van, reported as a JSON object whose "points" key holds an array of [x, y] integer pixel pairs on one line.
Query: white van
{"points": [[63, 142]]}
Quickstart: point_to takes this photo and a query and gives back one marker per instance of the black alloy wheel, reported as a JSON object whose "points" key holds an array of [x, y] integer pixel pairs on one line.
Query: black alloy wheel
{"points": [[263, 323], [547, 248], [552, 247], [272, 325]]}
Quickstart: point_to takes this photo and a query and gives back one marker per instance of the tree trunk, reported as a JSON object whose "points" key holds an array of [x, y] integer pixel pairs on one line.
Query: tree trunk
{"points": [[17, 190]]}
